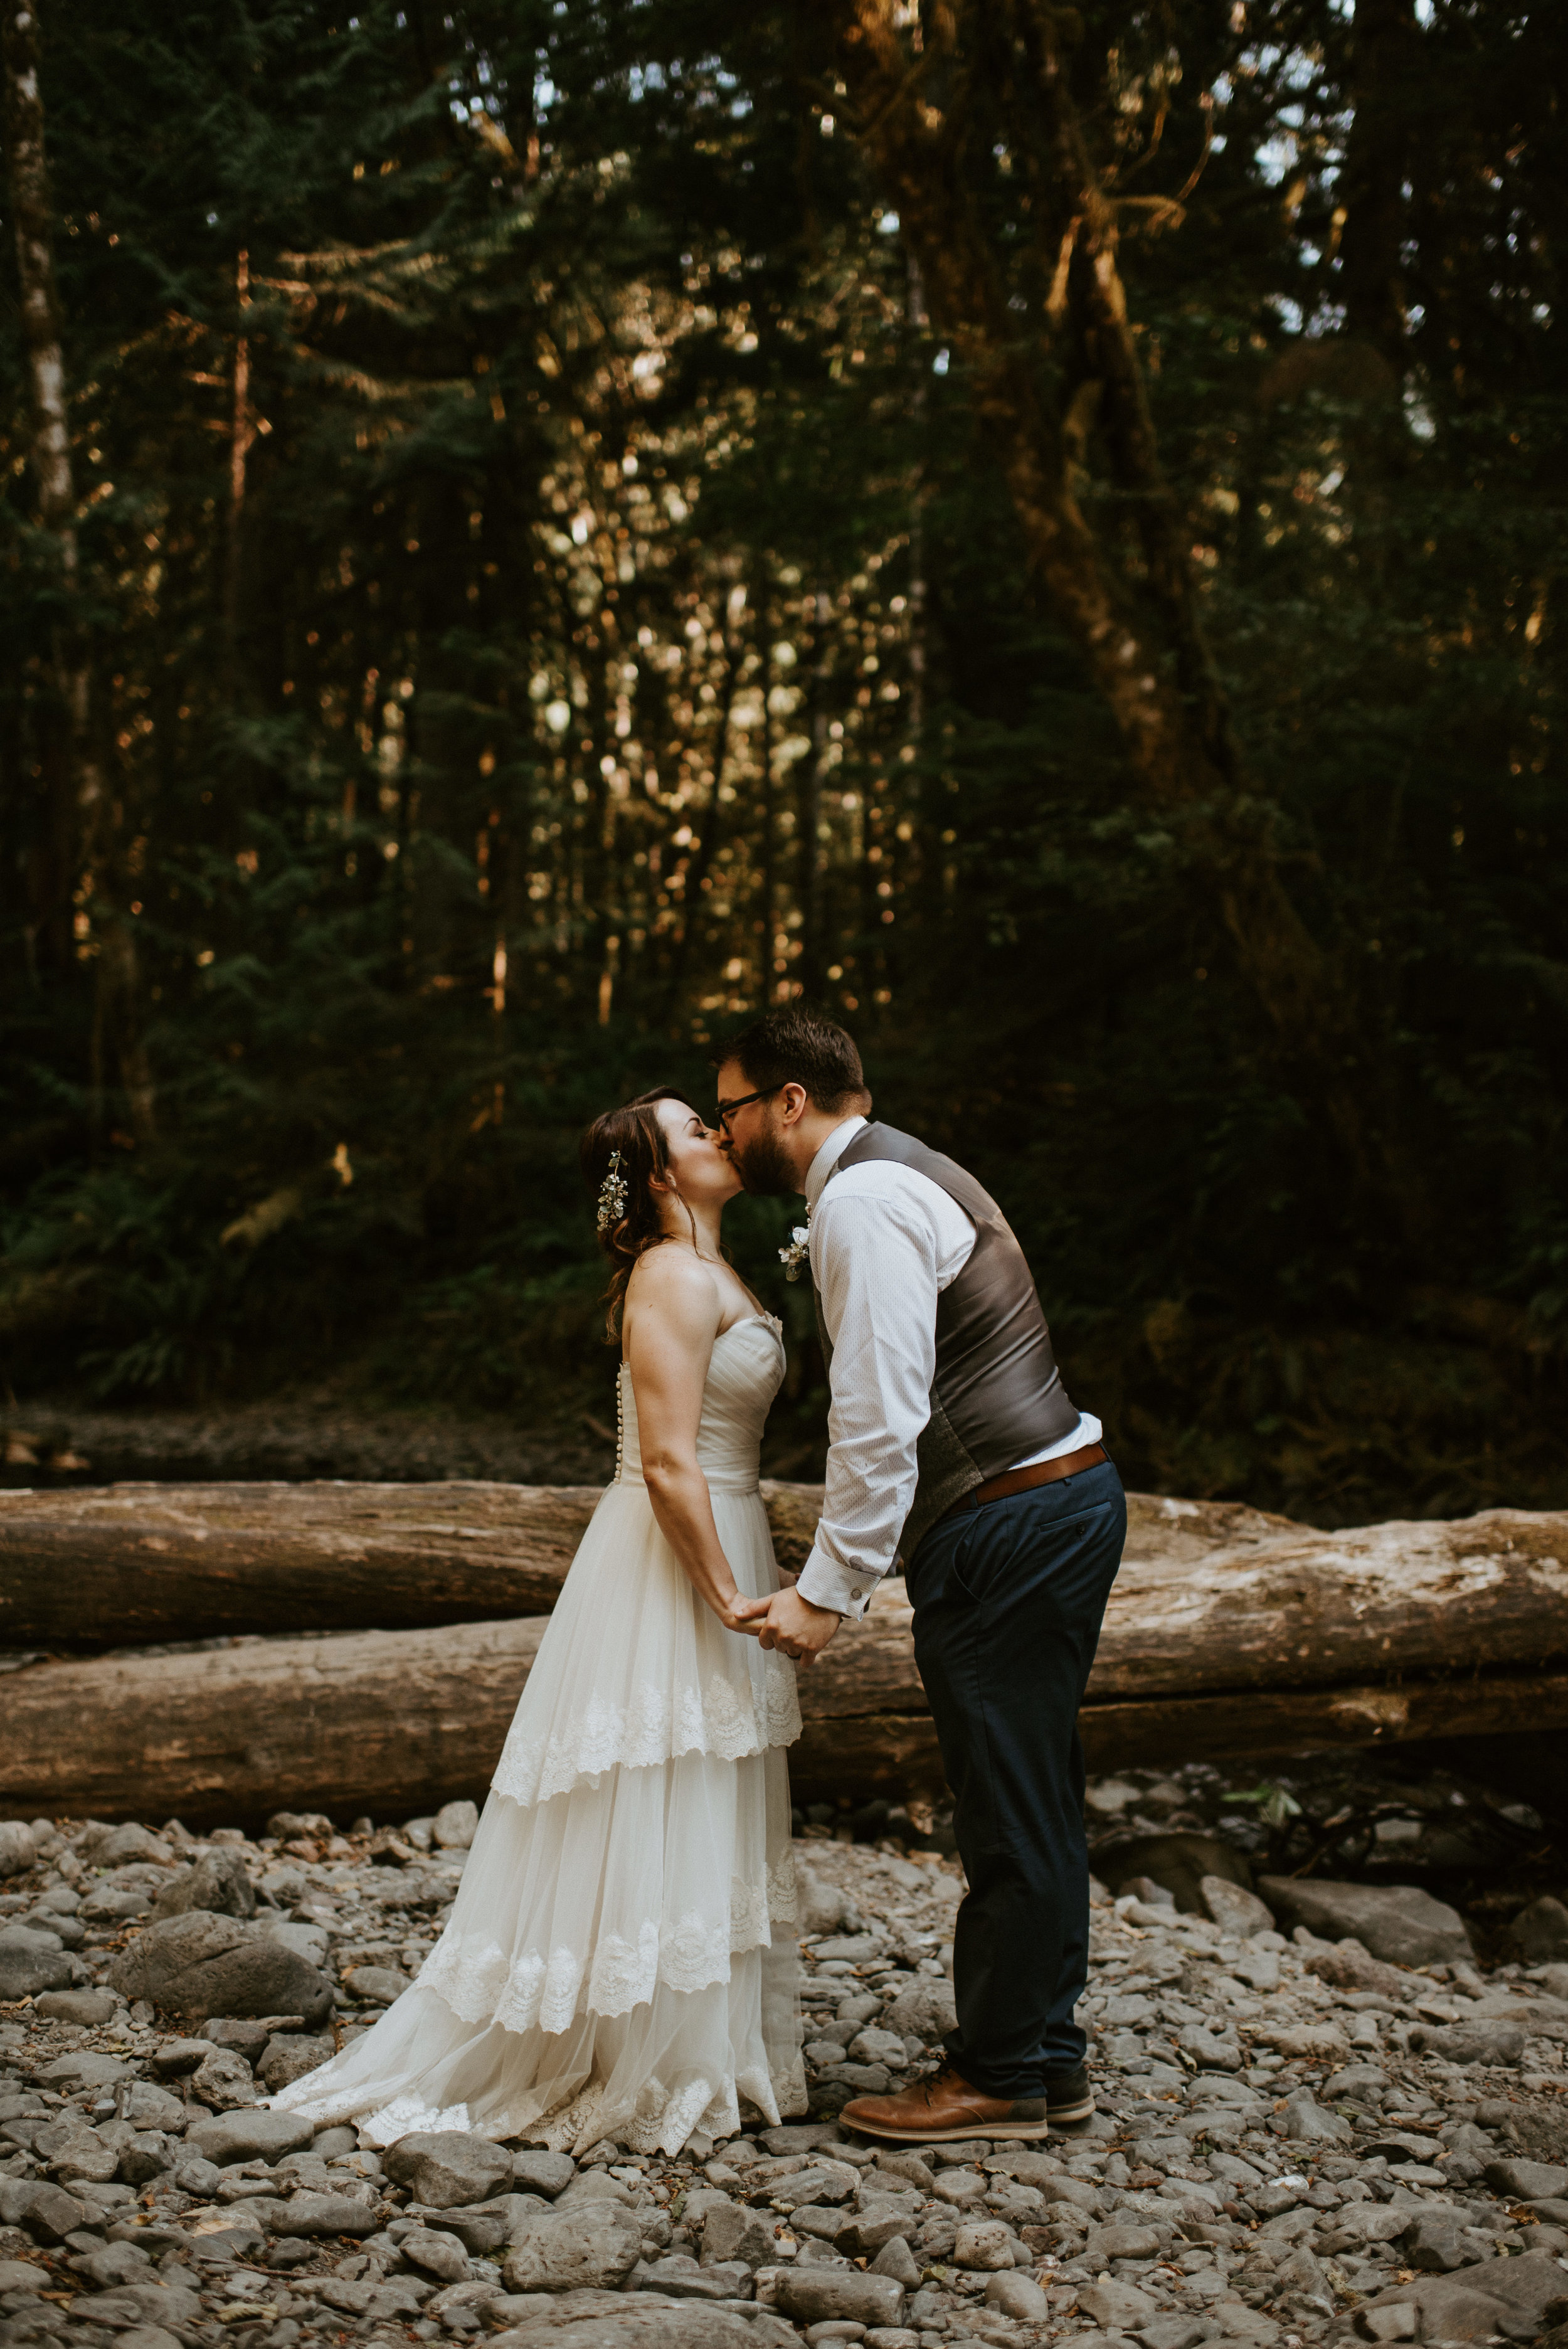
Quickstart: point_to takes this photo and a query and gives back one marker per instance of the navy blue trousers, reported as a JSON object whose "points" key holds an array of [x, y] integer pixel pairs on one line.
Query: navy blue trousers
{"points": [[1008, 1602]]}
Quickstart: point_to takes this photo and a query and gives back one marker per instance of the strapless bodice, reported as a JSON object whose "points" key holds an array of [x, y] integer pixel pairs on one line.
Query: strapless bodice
{"points": [[744, 1375]]}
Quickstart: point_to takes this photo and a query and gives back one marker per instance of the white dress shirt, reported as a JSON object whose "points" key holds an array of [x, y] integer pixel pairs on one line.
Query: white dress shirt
{"points": [[885, 1240]]}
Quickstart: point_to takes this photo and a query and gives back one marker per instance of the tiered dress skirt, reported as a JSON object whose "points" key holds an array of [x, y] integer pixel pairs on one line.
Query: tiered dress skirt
{"points": [[621, 1958]]}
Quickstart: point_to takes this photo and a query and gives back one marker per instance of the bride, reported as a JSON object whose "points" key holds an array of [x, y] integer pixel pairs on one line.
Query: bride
{"points": [[621, 1956]]}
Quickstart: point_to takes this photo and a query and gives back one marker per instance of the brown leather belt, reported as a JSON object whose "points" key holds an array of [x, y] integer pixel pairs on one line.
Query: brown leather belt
{"points": [[1022, 1480]]}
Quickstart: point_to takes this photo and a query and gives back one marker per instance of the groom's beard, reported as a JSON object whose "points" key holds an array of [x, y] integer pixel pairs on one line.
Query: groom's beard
{"points": [[764, 1168]]}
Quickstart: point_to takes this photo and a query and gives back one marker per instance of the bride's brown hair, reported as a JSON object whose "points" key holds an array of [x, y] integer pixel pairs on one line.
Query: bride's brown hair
{"points": [[634, 1131]]}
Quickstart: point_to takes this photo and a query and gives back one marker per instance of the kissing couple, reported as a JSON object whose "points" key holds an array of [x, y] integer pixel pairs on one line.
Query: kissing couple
{"points": [[621, 1958]]}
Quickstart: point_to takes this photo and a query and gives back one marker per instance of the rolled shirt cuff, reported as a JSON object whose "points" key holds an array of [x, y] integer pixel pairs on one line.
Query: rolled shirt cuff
{"points": [[825, 1583]]}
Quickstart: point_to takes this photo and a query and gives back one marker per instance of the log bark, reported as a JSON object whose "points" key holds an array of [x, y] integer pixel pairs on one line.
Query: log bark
{"points": [[1229, 1633], [390, 1723], [1295, 1608], [132, 1563], [128, 1564], [384, 1722], [897, 1754], [1211, 1597]]}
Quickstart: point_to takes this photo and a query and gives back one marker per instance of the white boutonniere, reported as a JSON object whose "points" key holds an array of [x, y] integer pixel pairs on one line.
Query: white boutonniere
{"points": [[793, 1256]]}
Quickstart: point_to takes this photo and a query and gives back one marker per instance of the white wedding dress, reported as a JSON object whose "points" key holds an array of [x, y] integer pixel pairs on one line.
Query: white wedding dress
{"points": [[621, 1957]]}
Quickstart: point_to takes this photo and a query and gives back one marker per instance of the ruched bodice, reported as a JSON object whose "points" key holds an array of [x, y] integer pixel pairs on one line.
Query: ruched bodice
{"points": [[744, 1375]]}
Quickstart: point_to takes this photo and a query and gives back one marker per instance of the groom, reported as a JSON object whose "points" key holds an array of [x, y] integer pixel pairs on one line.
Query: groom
{"points": [[953, 1444]]}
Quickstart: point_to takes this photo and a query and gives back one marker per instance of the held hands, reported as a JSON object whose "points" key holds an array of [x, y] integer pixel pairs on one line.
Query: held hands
{"points": [[738, 1614], [788, 1622]]}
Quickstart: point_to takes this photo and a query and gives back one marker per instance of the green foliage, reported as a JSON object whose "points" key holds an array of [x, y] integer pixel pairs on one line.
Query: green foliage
{"points": [[621, 622], [1276, 1804]]}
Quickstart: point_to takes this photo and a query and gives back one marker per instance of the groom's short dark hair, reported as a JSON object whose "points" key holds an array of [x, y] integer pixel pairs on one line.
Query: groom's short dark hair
{"points": [[796, 1047]]}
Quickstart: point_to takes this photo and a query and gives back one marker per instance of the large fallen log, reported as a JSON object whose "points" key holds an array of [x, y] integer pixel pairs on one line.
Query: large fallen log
{"points": [[1206, 1654], [1275, 1604], [122, 1565], [126, 1565], [1222, 1596]]}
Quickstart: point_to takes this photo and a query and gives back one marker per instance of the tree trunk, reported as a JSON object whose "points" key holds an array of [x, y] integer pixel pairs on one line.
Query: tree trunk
{"points": [[700, 870], [896, 1753], [241, 435], [28, 176], [132, 1563], [81, 818], [393, 1721], [1212, 1596], [384, 1722], [767, 812], [441, 769], [1143, 645], [1372, 190], [1228, 1633], [807, 972]]}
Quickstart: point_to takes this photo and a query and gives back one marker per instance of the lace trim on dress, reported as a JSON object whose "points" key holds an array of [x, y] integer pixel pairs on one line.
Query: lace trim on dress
{"points": [[406, 2113], [723, 1719], [481, 1983], [781, 1906], [755, 1909], [663, 2118], [660, 2121], [790, 2087]]}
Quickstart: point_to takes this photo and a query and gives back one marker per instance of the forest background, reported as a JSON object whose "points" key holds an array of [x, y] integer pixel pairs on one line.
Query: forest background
{"points": [[533, 531]]}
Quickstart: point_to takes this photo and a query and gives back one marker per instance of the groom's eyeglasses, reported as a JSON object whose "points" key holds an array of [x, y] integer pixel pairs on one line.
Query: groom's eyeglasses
{"points": [[727, 1109]]}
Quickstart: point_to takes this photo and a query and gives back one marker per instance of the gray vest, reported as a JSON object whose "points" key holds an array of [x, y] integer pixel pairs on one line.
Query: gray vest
{"points": [[997, 1396]]}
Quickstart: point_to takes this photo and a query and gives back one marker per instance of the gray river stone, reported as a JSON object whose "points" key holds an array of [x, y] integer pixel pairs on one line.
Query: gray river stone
{"points": [[1397, 1922], [449, 2167], [592, 2247], [249, 2136], [217, 1883], [199, 1964], [31, 1961]]}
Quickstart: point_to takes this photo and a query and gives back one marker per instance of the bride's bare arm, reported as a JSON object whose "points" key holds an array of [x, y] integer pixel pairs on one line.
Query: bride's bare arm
{"points": [[672, 1317]]}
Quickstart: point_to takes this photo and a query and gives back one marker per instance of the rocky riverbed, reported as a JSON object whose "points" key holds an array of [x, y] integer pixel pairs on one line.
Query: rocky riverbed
{"points": [[1319, 2117]]}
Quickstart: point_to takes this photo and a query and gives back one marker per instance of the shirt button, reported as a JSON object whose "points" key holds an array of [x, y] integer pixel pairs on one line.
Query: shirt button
{"points": [[854, 1594]]}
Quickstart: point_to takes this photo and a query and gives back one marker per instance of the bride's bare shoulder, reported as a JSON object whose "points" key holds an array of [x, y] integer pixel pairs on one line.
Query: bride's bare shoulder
{"points": [[674, 1285]]}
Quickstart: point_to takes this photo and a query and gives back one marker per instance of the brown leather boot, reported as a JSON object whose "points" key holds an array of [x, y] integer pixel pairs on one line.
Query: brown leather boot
{"points": [[942, 2108]]}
